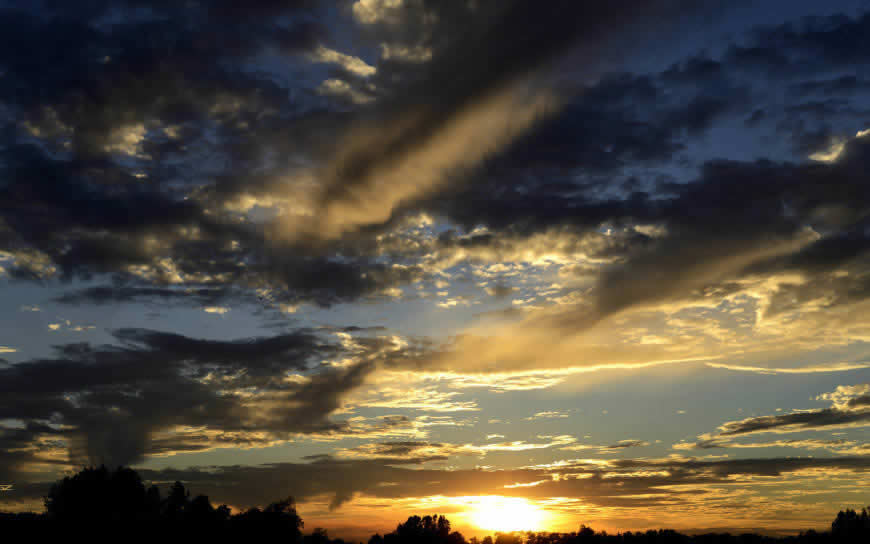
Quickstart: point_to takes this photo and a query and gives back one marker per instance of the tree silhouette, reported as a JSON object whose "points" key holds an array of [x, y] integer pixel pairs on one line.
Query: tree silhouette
{"points": [[119, 500], [425, 530], [176, 502], [850, 526], [317, 536], [200, 510], [278, 518], [98, 493]]}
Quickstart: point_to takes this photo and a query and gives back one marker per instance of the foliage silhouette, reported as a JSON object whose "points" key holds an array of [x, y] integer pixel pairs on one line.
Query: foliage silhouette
{"points": [[117, 501], [101, 494]]}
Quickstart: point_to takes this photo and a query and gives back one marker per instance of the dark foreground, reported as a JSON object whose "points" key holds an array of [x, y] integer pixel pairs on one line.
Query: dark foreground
{"points": [[101, 504]]}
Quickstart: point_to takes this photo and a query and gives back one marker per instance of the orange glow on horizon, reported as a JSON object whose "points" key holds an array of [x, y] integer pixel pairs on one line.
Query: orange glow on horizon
{"points": [[505, 514]]}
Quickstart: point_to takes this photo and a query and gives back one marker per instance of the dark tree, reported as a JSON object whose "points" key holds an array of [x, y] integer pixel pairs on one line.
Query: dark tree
{"points": [[100, 494], [278, 518], [199, 510], [317, 536], [850, 526], [176, 502], [117, 500], [425, 530]]}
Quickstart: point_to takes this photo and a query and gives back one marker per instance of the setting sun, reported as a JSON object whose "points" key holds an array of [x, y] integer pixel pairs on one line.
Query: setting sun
{"points": [[505, 514], [436, 271]]}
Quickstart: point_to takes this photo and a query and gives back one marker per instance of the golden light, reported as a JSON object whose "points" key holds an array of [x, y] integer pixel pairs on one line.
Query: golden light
{"points": [[505, 514]]}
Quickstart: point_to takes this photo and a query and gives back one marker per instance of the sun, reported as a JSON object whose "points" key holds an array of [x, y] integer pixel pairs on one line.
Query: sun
{"points": [[505, 514]]}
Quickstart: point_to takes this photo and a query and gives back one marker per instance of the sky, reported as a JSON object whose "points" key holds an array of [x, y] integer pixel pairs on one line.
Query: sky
{"points": [[526, 264]]}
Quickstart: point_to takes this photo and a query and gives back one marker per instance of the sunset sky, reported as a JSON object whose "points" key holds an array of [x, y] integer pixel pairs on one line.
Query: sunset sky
{"points": [[529, 264]]}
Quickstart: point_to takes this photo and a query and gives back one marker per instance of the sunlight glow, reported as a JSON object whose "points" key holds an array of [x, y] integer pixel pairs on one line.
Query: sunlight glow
{"points": [[505, 514]]}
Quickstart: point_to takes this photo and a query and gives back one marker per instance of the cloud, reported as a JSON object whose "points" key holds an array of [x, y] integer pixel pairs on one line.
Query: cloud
{"points": [[697, 259], [667, 481], [797, 421], [373, 11], [835, 367], [483, 106], [547, 415], [157, 392], [839, 447], [414, 452], [417, 53], [413, 397], [67, 325], [612, 448], [354, 65], [850, 408], [342, 89]]}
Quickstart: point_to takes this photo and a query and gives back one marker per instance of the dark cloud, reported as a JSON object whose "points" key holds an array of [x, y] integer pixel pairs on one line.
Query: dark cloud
{"points": [[833, 86], [628, 444], [610, 448], [112, 295], [816, 419], [70, 195], [814, 43], [743, 210], [100, 171], [658, 480], [145, 144], [500, 290], [106, 403], [195, 91], [848, 409]]}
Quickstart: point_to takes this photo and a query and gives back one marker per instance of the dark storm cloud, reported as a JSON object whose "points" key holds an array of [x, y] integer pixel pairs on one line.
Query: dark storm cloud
{"points": [[111, 400]]}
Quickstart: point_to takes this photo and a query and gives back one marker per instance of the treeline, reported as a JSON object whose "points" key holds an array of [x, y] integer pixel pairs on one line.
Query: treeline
{"points": [[849, 527], [117, 501]]}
